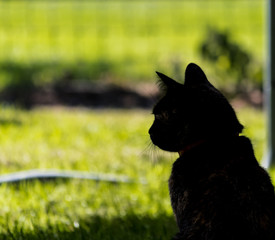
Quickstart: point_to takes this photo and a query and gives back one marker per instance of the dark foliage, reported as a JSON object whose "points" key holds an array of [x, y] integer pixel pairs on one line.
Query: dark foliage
{"points": [[231, 60]]}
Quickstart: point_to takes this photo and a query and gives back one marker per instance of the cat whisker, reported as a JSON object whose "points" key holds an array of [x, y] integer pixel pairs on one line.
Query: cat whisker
{"points": [[151, 151]]}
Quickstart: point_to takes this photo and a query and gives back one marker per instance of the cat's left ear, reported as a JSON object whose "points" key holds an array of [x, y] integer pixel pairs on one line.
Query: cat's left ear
{"points": [[194, 75], [168, 82]]}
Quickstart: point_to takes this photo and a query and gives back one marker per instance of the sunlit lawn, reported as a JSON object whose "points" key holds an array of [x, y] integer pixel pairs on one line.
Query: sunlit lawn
{"points": [[43, 41], [106, 141], [125, 40]]}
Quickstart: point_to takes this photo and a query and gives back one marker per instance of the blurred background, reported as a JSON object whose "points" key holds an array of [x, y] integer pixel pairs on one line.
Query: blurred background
{"points": [[77, 84], [56, 47]]}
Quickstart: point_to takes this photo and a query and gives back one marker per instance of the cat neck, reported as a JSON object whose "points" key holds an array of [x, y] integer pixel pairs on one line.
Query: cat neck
{"points": [[191, 146], [196, 144]]}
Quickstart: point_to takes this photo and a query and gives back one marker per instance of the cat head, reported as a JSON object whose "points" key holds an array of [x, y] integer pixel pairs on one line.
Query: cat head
{"points": [[191, 112]]}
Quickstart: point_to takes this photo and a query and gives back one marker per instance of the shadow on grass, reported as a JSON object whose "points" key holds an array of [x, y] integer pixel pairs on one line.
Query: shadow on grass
{"points": [[72, 84], [19, 80], [7, 122], [98, 228]]}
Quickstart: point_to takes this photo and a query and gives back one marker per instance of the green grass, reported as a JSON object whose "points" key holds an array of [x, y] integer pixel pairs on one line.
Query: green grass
{"points": [[44, 41], [123, 40], [97, 141]]}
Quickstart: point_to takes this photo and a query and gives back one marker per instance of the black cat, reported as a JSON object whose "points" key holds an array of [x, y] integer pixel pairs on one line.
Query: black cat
{"points": [[218, 190]]}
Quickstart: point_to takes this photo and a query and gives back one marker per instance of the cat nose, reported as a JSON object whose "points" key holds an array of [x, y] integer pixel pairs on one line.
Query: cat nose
{"points": [[150, 131]]}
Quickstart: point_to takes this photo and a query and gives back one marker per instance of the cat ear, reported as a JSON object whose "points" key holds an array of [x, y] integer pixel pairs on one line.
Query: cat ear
{"points": [[194, 75], [166, 82]]}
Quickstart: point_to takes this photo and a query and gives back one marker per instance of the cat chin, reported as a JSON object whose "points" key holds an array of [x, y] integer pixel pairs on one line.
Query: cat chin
{"points": [[167, 148], [164, 146], [179, 148]]}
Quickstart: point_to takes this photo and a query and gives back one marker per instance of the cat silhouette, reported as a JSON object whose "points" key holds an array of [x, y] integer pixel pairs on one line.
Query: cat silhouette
{"points": [[217, 188]]}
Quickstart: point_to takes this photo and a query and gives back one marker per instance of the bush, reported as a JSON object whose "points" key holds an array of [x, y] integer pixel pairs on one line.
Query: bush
{"points": [[231, 60]]}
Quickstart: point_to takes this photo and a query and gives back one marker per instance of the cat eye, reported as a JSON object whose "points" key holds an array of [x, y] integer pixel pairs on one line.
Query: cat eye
{"points": [[164, 116], [159, 117], [174, 111]]}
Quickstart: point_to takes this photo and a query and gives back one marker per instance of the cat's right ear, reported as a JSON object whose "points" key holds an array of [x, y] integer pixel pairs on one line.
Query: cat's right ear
{"points": [[167, 82], [195, 76]]}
